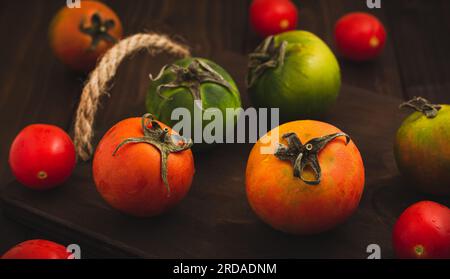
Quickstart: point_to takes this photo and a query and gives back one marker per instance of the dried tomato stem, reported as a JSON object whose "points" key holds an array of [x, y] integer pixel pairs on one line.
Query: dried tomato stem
{"points": [[305, 155], [190, 77], [422, 105], [98, 30], [160, 138], [265, 56]]}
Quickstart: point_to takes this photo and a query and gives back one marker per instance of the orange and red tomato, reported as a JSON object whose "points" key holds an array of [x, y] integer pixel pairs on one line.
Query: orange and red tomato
{"points": [[290, 204], [80, 36], [129, 177]]}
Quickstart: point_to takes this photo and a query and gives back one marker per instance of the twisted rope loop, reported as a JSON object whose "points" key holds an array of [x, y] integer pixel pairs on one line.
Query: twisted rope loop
{"points": [[104, 72]]}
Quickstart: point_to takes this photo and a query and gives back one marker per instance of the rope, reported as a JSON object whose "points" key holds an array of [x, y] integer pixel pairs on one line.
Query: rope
{"points": [[104, 72]]}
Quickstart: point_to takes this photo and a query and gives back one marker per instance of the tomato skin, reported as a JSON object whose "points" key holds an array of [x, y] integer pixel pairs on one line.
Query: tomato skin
{"points": [[270, 17], [72, 46], [131, 180], [290, 205], [212, 96], [299, 87], [360, 36], [37, 249], [422, 152], [42, 156], [423, 232]]}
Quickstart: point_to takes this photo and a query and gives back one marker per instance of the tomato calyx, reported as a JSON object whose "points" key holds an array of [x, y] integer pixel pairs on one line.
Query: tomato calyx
{"points": [[304, 155], [266, 56], [190, 77], [160, 138], [419, 250], [422, 105], [98, 30], [42, 175]]}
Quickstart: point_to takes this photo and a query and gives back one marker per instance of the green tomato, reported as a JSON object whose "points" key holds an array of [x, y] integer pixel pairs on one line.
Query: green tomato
{"points": [[296, 72], [186, 84], [422, 149]]}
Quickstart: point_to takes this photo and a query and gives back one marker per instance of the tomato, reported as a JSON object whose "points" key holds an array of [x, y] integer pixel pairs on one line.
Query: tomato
{"points": [[80, 36], [423, 232], [270, 17], [211, 88], [133, 176], [295, 72], [421, 147], [360, 36], [42, 156], [37, 249], [310, 184]]}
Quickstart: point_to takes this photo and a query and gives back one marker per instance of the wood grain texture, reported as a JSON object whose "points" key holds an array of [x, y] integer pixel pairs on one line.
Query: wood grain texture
{"points": [[420, 31], [35, 87]]}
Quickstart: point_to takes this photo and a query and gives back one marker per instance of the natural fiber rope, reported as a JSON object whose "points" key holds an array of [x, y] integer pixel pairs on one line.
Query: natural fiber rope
{"points": [[105, 71]]}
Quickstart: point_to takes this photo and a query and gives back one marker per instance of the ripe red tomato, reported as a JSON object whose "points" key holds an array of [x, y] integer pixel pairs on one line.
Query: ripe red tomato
{"points": [[423, 232], [37, 249], [42, 156], [130, 177], [79, 36], [270, 17], [360, 36]]}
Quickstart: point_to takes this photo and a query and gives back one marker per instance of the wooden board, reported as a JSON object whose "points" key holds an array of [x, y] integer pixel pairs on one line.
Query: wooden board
{"points": [[35, 87], [215, 220], [422, 54]]}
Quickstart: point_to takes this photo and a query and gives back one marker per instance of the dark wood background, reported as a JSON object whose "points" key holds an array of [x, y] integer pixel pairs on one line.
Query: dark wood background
{"points": [[35, 87]]}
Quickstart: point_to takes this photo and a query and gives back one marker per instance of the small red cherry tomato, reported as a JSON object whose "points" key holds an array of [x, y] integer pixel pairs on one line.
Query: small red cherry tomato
{"points": [[42, 156], [360, 36], [37, 249], [270, 17], [423, 232]]}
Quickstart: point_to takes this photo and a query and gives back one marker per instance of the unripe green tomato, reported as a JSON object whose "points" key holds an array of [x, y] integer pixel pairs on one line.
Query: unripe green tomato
{"points": [[303, 81], [174, 94], [422, 151]]}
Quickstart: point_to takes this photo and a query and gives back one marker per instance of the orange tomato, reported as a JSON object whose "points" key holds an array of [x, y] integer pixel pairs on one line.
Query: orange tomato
{"points": [[79, 36], [129, 177], [290, 204]]}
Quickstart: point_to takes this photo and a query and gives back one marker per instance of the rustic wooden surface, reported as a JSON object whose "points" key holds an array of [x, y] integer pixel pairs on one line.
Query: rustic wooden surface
{"points": [[34, 87]]}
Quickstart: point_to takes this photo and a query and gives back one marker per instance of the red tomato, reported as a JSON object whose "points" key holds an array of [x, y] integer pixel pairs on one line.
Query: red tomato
{"points": [[423, 232], [360, 36], [130, 178], [37, 249], [42, 156], [270, 17]]}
